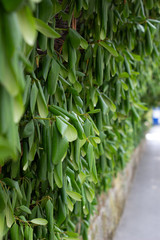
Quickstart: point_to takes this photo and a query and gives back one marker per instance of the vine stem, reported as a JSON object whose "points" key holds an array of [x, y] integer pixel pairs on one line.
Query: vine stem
{"points": [[42, 118]]}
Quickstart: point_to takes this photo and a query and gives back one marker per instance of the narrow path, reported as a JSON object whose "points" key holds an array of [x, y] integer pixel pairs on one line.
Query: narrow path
{"points": [[141, 217]]}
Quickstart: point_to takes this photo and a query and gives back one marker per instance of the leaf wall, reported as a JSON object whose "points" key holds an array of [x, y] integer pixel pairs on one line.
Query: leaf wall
{"points": [[75, 79]]}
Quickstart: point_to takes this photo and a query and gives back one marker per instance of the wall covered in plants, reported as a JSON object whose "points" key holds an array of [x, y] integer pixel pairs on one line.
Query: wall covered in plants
{"points": [[74, 79]]}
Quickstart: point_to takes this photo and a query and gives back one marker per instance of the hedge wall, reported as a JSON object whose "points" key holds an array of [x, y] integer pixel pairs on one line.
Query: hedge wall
{"points": [[73, 78]]}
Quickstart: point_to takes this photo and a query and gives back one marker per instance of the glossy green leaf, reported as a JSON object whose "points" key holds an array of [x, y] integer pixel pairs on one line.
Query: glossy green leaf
{"points": [[14, 232], [70, 204], [82, 177], [39, 221], [66, 129], [53, 77], [76, 196], [25, 209], [9, 216], [124, 85], [42, 105], [61, 211], [59, 147], [109, 102], [45, 29], [109, 48], [140, 106], [58, 175], [123, 75], [89, 193], [83, 43], [74, 37], [18, 108], [33, 97]]}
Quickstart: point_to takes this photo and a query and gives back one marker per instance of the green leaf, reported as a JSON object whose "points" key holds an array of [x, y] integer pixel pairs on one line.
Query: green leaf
{"points": [[94, 126], [61, 211], [33, 97], [27, 90], [154, 20], [6, 150], [59, 147], [58, 175], [2, 199], [74, 37], [28, 232], [82, 177], [39, 221], [41, 101], [27, 25], [94, 111], [89, 193], [26, 62], [9, 216], [135, 73], [28, 129], [71, 238], [123, 75], [83, 43], [109, 48], [140, 106], [151, 25], [13, 184], [18, 108], [136, 57], [95, 139], [76, 196], [25, 209], [103, 105], [43, 28], [109, 102], [11, 5], [124, 85], [69, 204], [66, 129], [14, 232], [72, 234], [53, 77]]}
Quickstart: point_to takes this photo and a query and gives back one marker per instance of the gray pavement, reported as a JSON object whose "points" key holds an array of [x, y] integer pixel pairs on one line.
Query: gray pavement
{"points": [[141, 216]]}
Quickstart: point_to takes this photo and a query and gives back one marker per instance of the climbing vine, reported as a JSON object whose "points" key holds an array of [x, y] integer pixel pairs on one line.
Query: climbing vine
{"points": [[74, 79]]}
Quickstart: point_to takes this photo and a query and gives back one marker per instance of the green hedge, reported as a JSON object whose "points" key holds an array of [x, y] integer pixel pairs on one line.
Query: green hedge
{"points": [[73, 78]]}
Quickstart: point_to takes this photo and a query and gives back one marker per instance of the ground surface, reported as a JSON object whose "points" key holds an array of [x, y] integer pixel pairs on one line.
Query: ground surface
{"points": [[141, 217]]}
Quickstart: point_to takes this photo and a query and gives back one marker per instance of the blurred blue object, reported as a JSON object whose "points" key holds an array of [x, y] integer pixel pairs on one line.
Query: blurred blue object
{"points": [[156, 116]]}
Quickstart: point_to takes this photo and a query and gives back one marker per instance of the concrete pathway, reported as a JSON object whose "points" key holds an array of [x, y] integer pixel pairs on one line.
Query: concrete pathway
{"points": [[141, 216]]}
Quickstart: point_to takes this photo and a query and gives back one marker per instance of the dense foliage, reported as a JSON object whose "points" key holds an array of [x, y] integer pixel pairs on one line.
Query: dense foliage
{"points": [[73, 78]]}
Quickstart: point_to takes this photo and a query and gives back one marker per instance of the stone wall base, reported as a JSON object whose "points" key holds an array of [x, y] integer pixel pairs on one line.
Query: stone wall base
{"points": [[110, 205]]}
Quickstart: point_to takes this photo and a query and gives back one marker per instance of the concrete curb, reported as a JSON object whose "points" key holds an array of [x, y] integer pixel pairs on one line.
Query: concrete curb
{"points": [[110, 205]]}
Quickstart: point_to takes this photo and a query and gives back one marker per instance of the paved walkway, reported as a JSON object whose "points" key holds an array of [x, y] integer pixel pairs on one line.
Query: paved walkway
{"points": [[141, 217]]}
